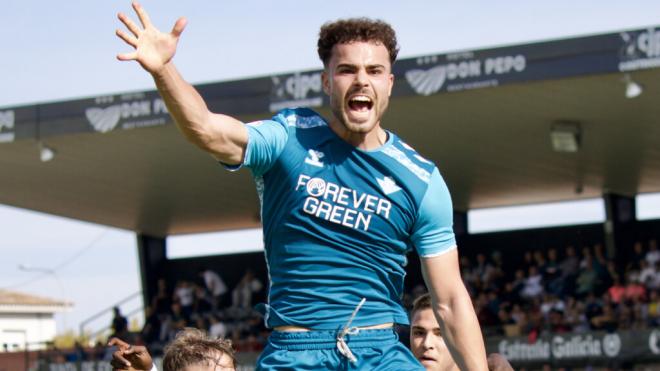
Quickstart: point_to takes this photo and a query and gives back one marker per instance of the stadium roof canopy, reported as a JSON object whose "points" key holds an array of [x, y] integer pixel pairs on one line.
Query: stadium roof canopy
{"points": [[484, 116]]}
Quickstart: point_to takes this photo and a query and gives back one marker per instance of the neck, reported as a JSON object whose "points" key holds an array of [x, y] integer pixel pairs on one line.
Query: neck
{"points": [[365, 141]]}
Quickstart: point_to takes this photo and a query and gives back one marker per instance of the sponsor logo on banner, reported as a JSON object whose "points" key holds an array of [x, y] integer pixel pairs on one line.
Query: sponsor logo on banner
{"points": [[298, 90], [131, 110], [7, 122], [562, 347], [640, 50], [462, 71]]}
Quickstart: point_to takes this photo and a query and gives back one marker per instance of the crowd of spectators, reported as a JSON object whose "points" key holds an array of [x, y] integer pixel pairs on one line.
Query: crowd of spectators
{"points": [[546, 291], [206, 303], [569, 291]]}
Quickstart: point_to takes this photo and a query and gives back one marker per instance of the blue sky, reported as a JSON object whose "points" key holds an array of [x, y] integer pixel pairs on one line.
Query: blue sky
{"points": [[63, 50]]}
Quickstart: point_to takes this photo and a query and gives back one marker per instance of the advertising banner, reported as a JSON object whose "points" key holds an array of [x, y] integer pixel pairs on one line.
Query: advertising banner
{"points": [[621, 52]]}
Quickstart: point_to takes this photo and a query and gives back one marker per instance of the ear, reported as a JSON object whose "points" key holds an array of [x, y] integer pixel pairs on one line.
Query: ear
{"points": [[325, 80]]}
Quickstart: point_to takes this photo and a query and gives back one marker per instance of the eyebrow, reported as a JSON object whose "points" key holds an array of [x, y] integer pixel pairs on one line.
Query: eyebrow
{"points": [[355, 65]]}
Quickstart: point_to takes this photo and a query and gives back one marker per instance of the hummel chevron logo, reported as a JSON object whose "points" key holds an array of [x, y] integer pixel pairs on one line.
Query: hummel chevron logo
{"points": [[427, 82], [388, 185], [7, 119], [103, 119], [314, 158]]}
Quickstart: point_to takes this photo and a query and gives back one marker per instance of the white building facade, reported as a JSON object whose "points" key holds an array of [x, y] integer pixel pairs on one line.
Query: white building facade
{"points": [[27, 321]]}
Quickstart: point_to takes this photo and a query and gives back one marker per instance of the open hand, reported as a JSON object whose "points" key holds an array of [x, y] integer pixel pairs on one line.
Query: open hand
{"points": [[153, 48]]}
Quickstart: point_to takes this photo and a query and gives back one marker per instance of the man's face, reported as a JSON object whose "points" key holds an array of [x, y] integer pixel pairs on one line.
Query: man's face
{"points": [[359, 81], [427, 343]]}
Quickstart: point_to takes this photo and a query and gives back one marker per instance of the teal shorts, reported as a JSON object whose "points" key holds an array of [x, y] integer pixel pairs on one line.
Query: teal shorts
{"points": [[317, 350]]}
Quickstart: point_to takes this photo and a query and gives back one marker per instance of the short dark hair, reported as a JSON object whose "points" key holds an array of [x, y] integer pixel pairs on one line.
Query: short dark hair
{"points": [[421, 303], [349, 30], [192, 346]]}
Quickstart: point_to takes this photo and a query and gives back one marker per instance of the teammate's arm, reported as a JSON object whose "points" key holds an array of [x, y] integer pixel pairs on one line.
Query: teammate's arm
{"points": [[222, 136], [454, 311]]}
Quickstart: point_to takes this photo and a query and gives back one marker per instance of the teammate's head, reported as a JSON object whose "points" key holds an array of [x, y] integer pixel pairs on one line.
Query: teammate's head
{"points": [[193, 350], [357, 55], [426, 341]]}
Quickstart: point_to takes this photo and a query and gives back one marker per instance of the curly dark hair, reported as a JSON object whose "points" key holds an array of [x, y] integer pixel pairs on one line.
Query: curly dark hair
{"points": [[192, 346], [356, 29]]}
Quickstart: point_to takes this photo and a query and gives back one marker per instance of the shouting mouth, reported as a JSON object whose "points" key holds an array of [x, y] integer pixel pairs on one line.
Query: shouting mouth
{"points": [[360, 103]]}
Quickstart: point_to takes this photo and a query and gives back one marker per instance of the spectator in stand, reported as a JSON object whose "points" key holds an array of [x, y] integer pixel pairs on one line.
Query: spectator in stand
{"points": [[617, 291], [175, 322], [634, 289], [653, 254], [587, 278], [509, 295], [600, 265], [528, 260], [518, 281], [638, 254], [162, 302], [466, 274], [574, 315], [202, 302], [586, 256], [483, 269], [243, 293], [540, 261], [217, 329], [215, 286], [119, 325], [552, 273], [651, 311], [649, 276], [605, 321], [184, 294], [533, 284], [551, 302], [569, 268], [152, 326], [556, 322]]}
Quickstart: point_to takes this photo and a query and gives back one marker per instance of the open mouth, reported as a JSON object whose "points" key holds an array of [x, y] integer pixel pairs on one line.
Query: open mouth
{"points": [[427, 359], [360, 103]]}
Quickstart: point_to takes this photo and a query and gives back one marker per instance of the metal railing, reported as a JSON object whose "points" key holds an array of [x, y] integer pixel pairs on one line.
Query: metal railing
{"points": [[105, 311]]}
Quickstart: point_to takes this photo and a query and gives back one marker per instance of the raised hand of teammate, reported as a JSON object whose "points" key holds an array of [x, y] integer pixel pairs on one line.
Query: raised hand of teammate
{"points": [[130, 357], [153, 48]]}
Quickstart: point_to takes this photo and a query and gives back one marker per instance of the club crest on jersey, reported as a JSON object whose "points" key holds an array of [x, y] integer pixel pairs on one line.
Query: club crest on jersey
{"points": [[388, 185], [314, 158]]}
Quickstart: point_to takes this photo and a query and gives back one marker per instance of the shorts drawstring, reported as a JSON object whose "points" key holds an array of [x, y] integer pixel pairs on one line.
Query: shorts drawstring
{"points": [[348, 330]]}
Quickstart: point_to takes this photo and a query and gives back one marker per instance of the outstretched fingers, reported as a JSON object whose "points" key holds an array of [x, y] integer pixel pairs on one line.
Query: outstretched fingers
{"points": [[179, 26], [132, 56], [129, 24], [142, 14], [128, 39]]}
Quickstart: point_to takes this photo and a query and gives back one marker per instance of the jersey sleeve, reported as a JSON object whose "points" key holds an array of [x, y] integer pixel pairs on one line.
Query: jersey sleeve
{"points": [[432, 233], [266, 140]]}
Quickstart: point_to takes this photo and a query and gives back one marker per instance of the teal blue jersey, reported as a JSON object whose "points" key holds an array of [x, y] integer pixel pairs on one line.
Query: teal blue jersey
{"points": [[338, 221]]}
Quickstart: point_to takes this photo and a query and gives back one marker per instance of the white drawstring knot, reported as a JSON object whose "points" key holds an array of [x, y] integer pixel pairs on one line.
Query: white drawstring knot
{"points": [[348, 330]]}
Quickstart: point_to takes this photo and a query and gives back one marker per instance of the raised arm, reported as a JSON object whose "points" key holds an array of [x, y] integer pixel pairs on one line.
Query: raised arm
{"points": [[222, 136], [454, 311]]}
